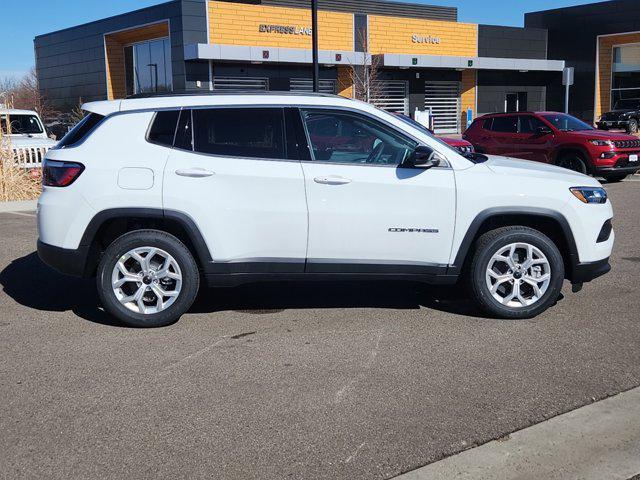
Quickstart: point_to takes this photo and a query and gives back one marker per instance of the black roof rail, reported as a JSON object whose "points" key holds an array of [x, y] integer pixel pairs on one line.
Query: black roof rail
{"points": [[228, 92]]}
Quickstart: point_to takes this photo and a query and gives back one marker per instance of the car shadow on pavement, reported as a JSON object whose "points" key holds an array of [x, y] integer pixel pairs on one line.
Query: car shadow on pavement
{"points": [[31, 283]]}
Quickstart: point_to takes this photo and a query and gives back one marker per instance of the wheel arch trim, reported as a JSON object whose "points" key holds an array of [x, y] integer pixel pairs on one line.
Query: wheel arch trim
{"points": [[184, 220], [530, 212]]}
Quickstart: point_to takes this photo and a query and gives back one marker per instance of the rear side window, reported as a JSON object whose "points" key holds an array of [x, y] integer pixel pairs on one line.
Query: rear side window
{"points": [[81, 131], [505, 124], [240, 132], [488, 124], [163, 128]]}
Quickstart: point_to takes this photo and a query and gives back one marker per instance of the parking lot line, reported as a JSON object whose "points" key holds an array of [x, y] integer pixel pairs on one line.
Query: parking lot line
{"points": [[601, 440]]}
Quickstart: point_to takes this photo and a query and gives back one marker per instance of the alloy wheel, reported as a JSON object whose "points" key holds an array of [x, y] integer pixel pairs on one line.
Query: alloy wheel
{"points": [[146, 280], [573, 163], [518, 275]]}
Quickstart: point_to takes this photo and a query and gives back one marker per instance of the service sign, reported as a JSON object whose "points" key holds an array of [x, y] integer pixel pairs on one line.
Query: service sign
{"points": [[416, 38], [284, 29]]}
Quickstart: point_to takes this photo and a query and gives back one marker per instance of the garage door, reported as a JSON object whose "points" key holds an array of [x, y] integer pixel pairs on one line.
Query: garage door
{"points": [[306, 85], [240, 83], [391, 95], [443, 98]]}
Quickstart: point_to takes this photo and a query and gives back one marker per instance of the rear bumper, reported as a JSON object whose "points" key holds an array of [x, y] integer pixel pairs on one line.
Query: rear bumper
{"points": [[585, 272], [66, 261]]}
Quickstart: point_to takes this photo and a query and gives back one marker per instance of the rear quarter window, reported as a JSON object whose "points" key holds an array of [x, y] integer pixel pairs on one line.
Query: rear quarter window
{"points": [[163, 128], [81, 131]]}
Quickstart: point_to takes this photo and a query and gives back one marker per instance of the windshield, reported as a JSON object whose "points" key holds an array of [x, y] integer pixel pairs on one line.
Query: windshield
{"points": [[21, 124], [567, 123], [627, 104]]}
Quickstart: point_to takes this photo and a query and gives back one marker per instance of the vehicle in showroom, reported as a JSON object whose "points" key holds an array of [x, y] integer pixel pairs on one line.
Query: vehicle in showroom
{"points": [[27, 134], [625, 115], [153, 195], [557, 139]]}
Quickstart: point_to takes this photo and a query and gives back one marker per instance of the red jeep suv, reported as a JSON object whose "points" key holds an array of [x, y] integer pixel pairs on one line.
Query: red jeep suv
{"points": [[556, 138]]}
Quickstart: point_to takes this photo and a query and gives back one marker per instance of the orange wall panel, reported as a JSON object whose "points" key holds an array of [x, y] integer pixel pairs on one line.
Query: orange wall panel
{"points": [[239, 24], [395, 35]]}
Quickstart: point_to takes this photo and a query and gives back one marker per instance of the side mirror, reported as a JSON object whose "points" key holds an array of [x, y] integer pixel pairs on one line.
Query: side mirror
{"points": [[543, 131], [422, 157]]}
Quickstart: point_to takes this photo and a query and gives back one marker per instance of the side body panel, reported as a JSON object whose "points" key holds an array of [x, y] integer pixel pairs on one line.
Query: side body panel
{"points": [[123, 170]]}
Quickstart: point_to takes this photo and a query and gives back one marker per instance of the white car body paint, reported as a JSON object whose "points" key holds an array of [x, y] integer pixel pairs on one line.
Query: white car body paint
{"points": [[250, 209]]}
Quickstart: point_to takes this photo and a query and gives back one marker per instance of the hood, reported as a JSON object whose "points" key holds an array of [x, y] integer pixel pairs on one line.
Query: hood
{"points": [[455, 142], [23, 141], [525, 168], [601, 134]]}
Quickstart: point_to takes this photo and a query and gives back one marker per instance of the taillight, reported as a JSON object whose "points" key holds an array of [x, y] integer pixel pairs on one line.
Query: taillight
{"points": [[56, 173]]}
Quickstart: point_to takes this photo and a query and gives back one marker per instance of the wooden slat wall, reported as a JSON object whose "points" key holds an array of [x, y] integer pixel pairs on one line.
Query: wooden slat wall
{"points": [[114, 47]]}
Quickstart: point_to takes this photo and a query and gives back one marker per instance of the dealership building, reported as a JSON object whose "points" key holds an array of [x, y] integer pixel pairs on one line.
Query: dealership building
{"points": [[602, 42], [424, 57]]}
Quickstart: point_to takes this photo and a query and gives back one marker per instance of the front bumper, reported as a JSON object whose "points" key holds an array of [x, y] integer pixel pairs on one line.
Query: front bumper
{"points": [[605, 124], [585, 272], [66, 261]]}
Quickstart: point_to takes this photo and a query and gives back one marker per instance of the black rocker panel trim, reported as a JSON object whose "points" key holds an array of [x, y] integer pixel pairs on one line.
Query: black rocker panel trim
{"points": [[531, 212], [233, 279]]}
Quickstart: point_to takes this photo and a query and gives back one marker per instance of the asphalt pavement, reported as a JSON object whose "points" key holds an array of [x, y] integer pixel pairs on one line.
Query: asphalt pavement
{"points": [[342, 381]]}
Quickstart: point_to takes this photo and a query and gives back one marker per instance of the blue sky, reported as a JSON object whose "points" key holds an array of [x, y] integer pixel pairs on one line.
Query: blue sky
{"points": [[26, 19]]}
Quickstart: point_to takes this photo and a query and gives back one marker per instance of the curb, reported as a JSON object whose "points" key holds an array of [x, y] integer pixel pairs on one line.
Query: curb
{"points": [[21, 206], [594, 442]]}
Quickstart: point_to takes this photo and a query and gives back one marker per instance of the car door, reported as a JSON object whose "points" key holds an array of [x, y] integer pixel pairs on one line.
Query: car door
{"points": [[367, 213], [535, 138], [234, 174], [504, 133]]}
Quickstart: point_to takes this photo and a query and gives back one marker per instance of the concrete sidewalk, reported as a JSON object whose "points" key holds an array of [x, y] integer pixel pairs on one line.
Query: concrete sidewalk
{"points": [[22, 206], [599, 441]]}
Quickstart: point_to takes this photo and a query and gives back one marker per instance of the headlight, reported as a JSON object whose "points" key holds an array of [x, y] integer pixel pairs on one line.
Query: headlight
{"points": [[589, 194], [601, 143]]}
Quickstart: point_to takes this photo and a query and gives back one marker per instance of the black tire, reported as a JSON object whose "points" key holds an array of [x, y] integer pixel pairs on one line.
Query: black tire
{"points": [[490, 243], [162, 241], [633, 126], [615, 178], [573, 161]]}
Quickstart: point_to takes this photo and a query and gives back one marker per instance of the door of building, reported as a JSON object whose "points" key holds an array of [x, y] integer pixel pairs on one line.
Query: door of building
{"points": [[443, 100], [515, 102], [391, 95]]}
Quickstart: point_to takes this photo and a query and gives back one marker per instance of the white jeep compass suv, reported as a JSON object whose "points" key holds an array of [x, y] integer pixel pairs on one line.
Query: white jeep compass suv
{"points": [[154, 195]]}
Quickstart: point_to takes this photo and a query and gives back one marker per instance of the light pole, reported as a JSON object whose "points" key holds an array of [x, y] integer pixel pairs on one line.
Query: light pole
{"points": [[314, 44]]}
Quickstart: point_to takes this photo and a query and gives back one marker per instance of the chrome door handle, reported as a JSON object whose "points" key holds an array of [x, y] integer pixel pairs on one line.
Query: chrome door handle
{"points": [[332, 180], [195, 172]]}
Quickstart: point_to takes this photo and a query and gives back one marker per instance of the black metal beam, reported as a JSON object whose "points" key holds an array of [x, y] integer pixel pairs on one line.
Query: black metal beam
{"points": [[314, 44]]}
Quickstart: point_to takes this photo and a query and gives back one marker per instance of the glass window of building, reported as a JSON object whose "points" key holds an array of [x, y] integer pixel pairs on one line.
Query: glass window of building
{"points": [[626, 76], [148, 67]]}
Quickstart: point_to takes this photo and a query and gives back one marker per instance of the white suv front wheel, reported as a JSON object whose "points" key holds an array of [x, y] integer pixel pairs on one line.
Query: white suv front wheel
{"points": [[147, 278], [516, 272]]}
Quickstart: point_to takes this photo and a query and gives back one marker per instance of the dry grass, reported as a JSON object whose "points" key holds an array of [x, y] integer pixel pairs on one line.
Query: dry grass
{"points": [[16, 183]]}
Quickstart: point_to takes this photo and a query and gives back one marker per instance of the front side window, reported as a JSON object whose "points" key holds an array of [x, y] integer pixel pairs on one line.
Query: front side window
{"points": [[507, 124], [344, 137], [21, 124], [530, 124], [240, 132], [567, 123]]}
